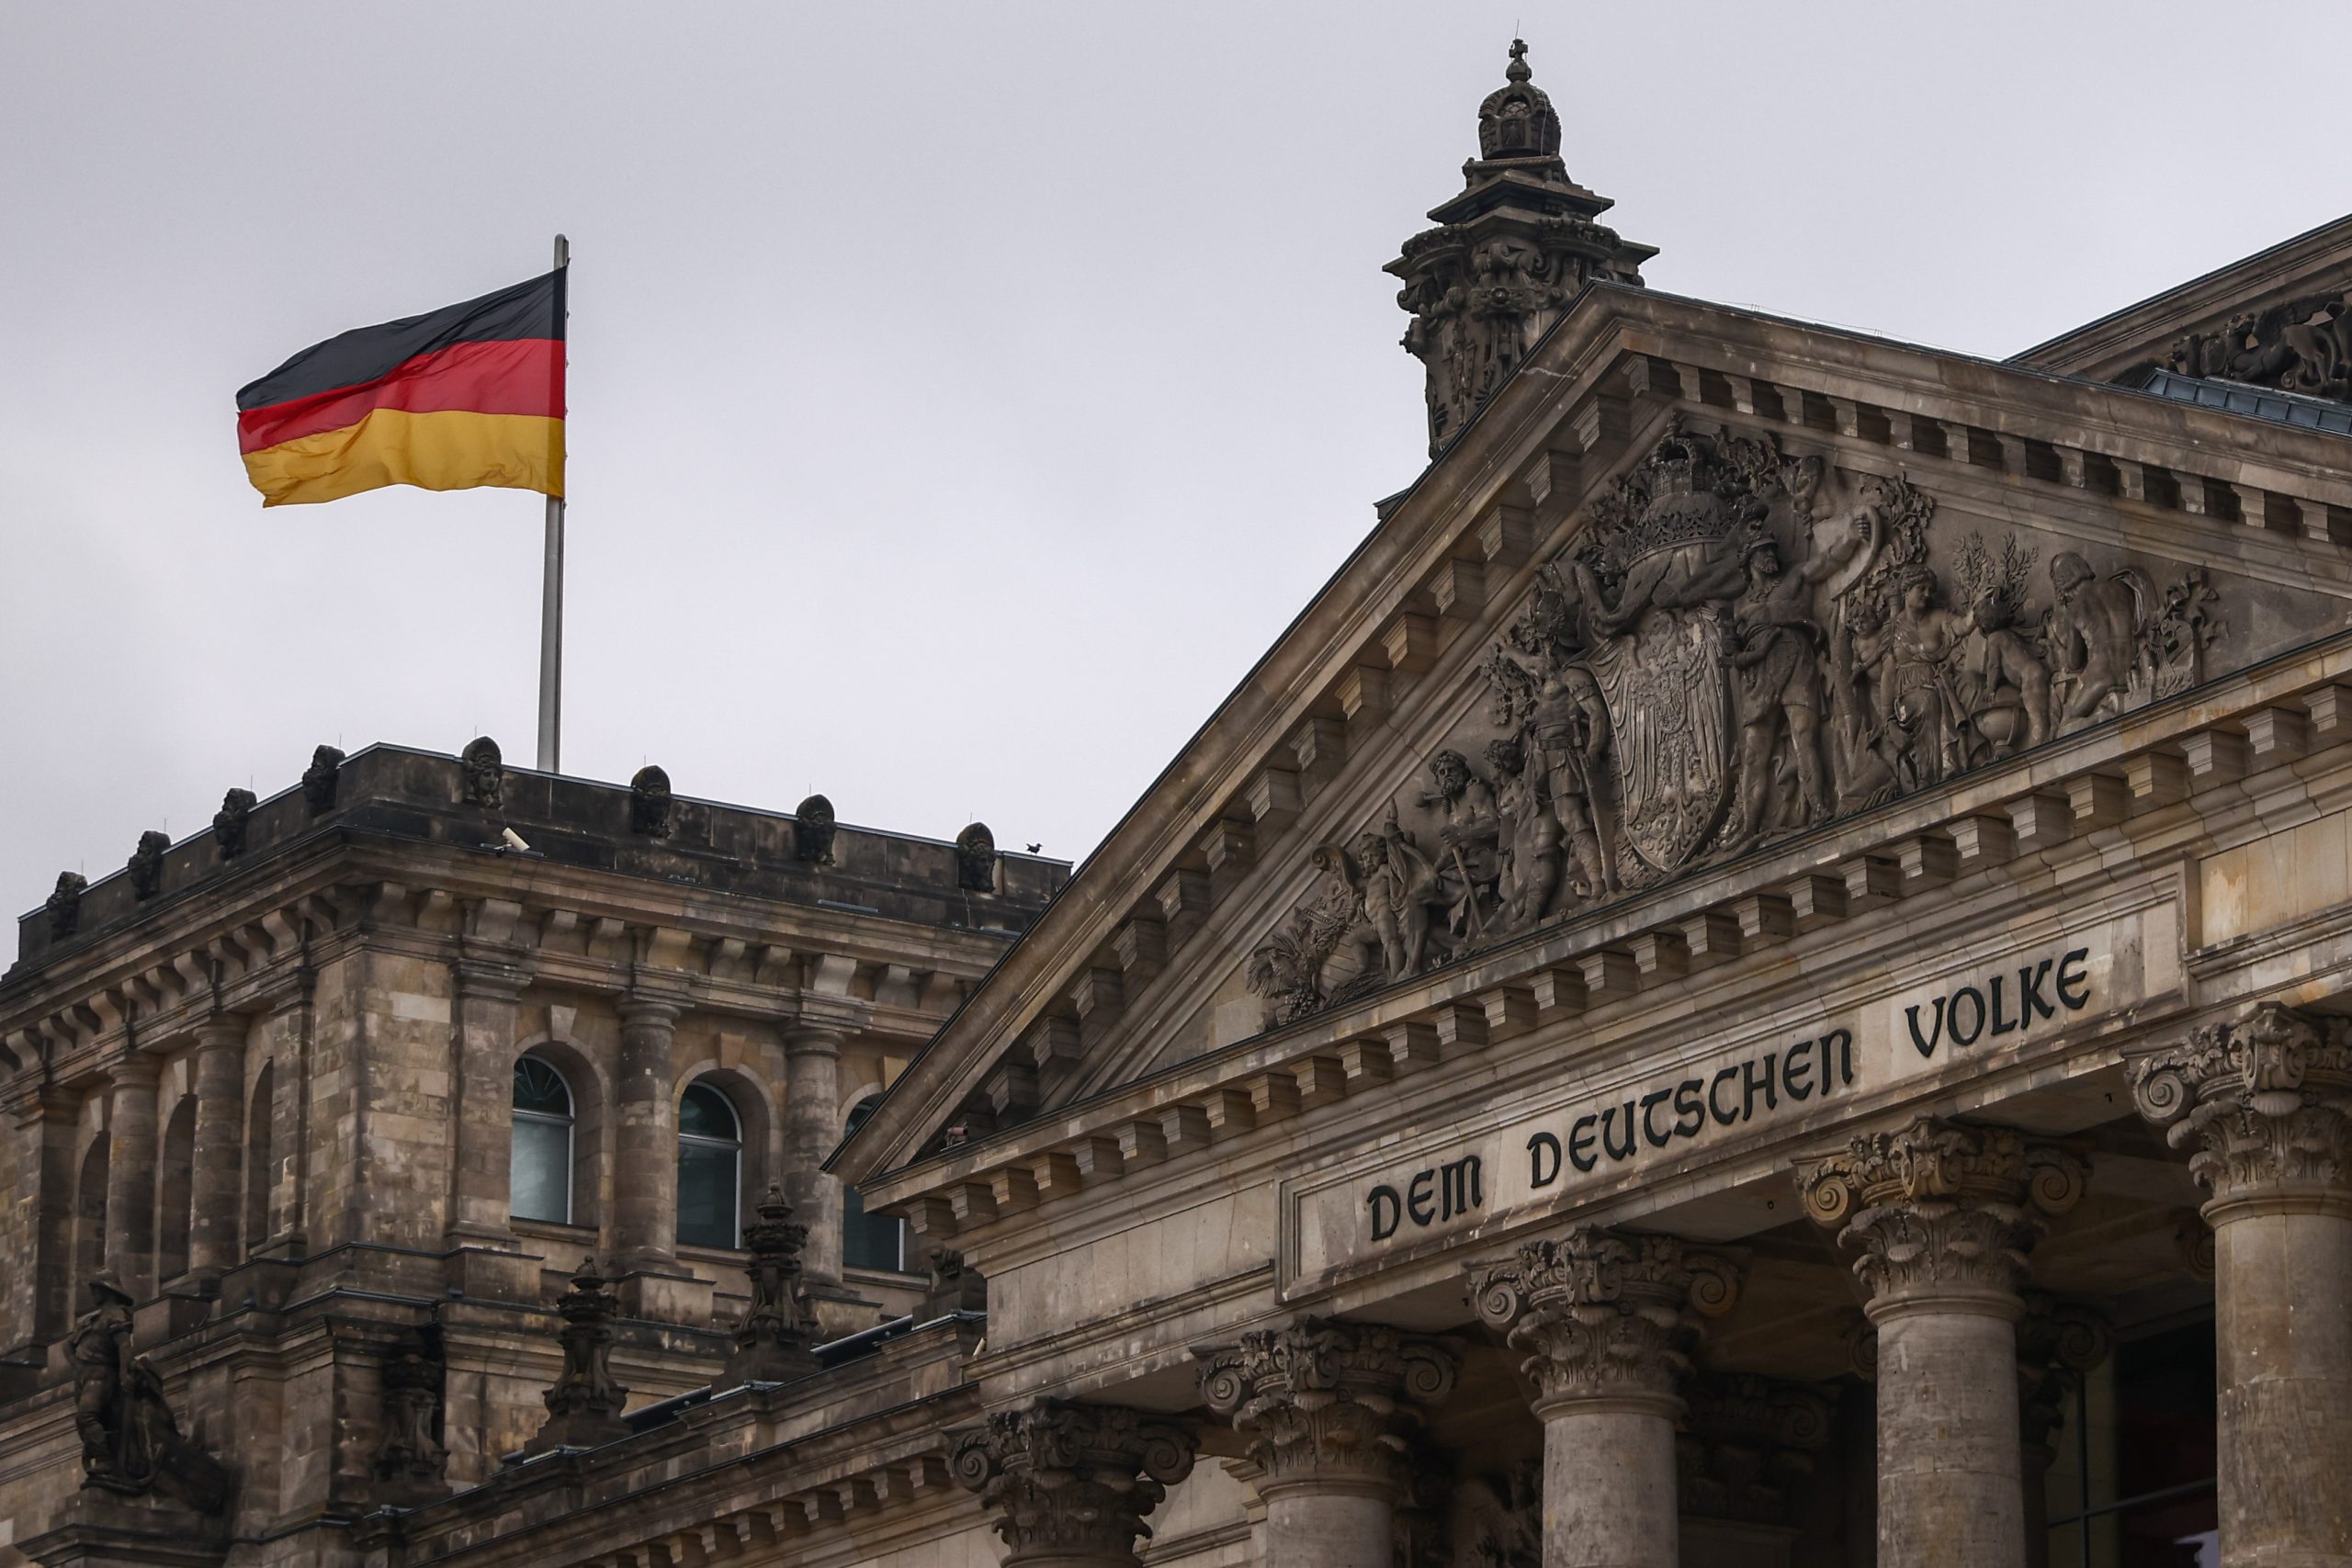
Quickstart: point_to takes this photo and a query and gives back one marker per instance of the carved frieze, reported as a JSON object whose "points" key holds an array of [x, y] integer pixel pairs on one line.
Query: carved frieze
{"points": [[1071, 1482], [1740, 644], [2303, 346], [1320, 1398], [1602, 1312], [1940, 1208], [2263, 1105]]}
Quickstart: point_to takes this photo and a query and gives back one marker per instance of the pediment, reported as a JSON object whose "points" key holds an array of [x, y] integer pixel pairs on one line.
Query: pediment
{"points": [[2279, 318], [1697, 583]]}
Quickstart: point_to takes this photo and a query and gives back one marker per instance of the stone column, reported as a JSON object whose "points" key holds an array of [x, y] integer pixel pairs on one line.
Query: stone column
{"points": [[1942, 1215], [40, 1291], [482, 1081], [2263, 1107], [645, 1144], [286, 1034], [130, 1173], [1072, 1483], [1326, 1409], [1605, 1319], [2057, 1342], [217, 1203], [812, 1125]]}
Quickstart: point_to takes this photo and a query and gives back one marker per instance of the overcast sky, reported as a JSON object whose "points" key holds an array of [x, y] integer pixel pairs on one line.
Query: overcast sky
{"points": [[962, 396]]}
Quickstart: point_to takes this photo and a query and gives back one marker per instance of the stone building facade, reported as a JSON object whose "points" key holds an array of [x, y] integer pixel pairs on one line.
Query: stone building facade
{"points": [[1755, 982]]}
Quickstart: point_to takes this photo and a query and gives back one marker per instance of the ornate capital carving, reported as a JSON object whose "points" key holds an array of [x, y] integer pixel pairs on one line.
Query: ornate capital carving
{"points": [[1071, 1481], [2261, 1103], [1326, 1402], [1604, 1314], [1747, 1441], [1940, 1210], [2057, 1342]]}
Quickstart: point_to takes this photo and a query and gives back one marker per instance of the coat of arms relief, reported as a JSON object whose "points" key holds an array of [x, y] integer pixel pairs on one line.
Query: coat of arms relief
{"points": [[1740, 644]]}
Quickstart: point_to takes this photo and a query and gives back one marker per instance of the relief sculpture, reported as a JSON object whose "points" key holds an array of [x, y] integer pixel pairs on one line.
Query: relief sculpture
{"points": [[1739, 645]]}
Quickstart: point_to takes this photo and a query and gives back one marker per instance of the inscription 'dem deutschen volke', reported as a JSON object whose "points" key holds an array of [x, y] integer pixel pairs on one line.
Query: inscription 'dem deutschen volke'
{"points": [[1756, 1085]]}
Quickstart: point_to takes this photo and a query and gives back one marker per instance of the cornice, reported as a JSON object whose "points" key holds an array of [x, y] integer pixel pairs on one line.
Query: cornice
{"points": [[1462, 537], [2080, 786]]}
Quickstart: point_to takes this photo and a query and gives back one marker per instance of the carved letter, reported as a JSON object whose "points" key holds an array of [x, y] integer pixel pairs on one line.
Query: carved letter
{"points": [[1386, 1210], [2074, 975], [1796, 1071], [1580, 1153], [1926, 1046], [1609, 1145], [1749, 1083], [1844, 1043], [1650, 1102], [1975, 998], [1461, 1187], [2000, 1026], [2029, 997], [1689, 1108], [1418, 1199], [1538, 1148], [1729, 1075]]}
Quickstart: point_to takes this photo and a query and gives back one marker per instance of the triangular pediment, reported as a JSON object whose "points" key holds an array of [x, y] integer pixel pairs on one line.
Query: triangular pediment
{"points": [[1564, 671], [2279, 318]]}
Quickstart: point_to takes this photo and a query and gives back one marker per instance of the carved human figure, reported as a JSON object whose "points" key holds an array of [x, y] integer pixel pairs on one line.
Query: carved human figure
{"points": [[64, 904], [1778, 694], [129, 1441], [1471, 839], [2001, 683], [229, 822], [1531, 867], [2094, 639], [147, 864], [1914, 692], [1401, 891], [648, 803], [1863, 746], [485, 773], [318, 779]]}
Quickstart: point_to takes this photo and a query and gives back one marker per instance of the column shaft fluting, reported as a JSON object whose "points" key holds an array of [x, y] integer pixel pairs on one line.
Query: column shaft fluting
{"points": [[219, 1162], [645, 1144]]}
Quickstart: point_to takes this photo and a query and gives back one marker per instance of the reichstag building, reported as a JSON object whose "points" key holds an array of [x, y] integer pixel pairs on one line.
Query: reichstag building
{"points": [[1760, 981]]}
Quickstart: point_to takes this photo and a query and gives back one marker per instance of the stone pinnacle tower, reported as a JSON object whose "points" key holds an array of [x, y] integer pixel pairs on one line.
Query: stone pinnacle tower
{"points": [[1507, 255]]}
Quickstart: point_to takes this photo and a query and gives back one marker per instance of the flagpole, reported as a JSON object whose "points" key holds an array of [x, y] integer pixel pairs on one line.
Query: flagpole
{"points": [[552, 587]]}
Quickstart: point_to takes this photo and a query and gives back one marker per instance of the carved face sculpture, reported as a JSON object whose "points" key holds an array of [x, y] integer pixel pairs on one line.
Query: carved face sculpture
{"points": [[1451, 771], [1763, 560], [1918, 590], [2069, 571], [1990, 613], [1802, 480]]}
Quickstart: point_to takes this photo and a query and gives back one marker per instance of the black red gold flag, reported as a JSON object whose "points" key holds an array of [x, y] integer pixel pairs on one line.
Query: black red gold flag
{"points": [[469, 395]]}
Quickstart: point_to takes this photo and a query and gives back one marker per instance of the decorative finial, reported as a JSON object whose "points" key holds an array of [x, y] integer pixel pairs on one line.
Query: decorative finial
{"points": [[1517, 71]]}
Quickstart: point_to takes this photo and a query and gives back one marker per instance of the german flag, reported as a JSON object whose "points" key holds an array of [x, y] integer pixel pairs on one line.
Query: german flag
{"points": [[471, 395]]}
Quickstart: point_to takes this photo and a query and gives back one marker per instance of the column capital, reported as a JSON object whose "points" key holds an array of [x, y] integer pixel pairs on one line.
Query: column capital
{"points": [[221, 1030], [2058, 1341], [1327, 1405], [1941, 1214], [490, 979], [658, 1008], [804, 1037], [1072, 1482], [1604, 1315], [134, 1069], [2264, 1106]]}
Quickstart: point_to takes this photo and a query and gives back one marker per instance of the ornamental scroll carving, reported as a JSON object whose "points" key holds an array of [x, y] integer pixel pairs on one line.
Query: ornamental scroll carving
{"points": [[2303, 346], [1600, 1312], [1939, 1208], [1740, 644], [2263, 1105], [1318, 1398], [1071, 1482]]}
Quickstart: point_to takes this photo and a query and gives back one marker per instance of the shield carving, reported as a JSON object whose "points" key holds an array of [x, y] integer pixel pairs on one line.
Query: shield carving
{"points": [[1670, 713]]}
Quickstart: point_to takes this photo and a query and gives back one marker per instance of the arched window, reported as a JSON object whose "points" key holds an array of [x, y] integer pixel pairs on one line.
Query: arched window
{"points": [[257, 1171], [175, 1191], [869, 1241], [710, 1168], [539, 1179]]}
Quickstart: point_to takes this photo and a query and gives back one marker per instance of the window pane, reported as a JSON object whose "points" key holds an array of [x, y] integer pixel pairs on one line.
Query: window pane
{"points": [[705, 1113], [707, 1189], [869, 1241], [540, 1087], [542, 1171]]}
